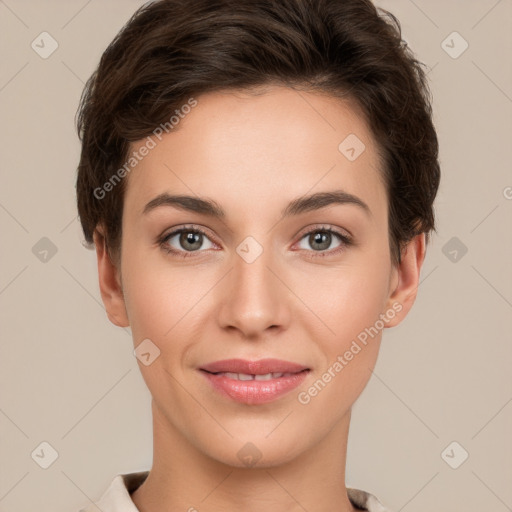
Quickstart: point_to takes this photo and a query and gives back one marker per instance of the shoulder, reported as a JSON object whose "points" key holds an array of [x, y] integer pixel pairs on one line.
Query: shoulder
{"points": [[116, 497], [365, 501]]}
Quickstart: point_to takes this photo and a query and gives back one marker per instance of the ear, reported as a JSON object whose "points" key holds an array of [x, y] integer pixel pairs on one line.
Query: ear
{"points": [[110, 283], [405, 280]]}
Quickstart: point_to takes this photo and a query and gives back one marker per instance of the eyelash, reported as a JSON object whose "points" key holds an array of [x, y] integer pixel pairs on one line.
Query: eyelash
{"points": [[345, 240]]}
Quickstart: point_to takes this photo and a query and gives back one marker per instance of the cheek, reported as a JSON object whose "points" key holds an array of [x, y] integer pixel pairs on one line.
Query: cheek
{"points": [[161, 304], [347, 299], [350, 306], [160, 298], [164, 302]]}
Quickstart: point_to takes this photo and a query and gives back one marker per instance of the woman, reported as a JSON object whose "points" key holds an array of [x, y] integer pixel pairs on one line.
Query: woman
{"points": [[258, 179]]}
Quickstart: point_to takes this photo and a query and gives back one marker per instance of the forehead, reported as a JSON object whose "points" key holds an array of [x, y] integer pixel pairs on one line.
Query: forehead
{"points": [[240, 147]]}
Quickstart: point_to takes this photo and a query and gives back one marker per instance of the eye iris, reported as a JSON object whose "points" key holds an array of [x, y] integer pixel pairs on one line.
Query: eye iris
{"points": [[321, 237], [188, 237]]}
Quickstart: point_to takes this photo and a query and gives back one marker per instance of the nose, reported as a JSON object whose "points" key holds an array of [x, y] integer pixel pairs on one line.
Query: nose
{"points": [[254, 298]]}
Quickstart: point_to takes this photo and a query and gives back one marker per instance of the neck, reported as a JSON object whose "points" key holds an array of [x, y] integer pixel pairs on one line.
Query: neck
{"points": [[183, 478]]}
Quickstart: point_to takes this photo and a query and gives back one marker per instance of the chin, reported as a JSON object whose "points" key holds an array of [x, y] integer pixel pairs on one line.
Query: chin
{"points": [[257, 453]]}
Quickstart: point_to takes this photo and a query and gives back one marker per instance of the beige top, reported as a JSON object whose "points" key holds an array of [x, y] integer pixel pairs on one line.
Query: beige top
{"points": [[117, 497]]}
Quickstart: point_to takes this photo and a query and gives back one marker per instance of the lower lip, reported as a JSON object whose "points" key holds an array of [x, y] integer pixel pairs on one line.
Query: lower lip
{"points": [[255, 391]]}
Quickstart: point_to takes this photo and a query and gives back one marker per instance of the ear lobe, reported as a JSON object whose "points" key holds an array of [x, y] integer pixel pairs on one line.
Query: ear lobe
{"points": [[110, 283], [408, 270]]}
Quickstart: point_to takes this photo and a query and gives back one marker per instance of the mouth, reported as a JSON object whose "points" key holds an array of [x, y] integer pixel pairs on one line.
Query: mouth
{"points": [[254, 382], [258, 367], [251, 376]]}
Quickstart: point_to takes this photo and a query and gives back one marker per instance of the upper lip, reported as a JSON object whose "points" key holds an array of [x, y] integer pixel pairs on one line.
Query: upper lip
{"points": [[259, 367]]}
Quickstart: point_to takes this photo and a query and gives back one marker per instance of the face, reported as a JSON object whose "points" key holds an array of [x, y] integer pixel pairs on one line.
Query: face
{"points": [[257, 271]]}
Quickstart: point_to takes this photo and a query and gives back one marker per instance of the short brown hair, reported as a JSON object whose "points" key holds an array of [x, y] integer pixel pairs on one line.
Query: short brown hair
{"points": [[171, 50]]}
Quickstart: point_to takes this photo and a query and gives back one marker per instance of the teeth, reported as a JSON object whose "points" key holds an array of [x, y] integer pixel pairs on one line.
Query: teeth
{"points": [[246, 376], [266, 376]]}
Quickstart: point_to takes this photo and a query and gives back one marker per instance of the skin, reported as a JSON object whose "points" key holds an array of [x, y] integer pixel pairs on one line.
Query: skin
{"points": [[252, 155]]}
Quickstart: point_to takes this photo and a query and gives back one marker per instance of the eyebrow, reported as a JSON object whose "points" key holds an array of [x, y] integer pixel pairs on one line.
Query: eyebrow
{"points": [[297, 206]]}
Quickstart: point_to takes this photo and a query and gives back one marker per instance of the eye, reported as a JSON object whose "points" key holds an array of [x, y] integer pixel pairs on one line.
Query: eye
{"points": [[320, 239], [185, 240]]}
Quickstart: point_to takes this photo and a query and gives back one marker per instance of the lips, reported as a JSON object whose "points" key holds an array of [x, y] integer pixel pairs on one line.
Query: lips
{"points": [[260, 367], [254, 382]]}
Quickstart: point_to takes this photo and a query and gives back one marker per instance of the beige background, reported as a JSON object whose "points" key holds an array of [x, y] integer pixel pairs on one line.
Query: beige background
{"points": [[69, 377]]}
